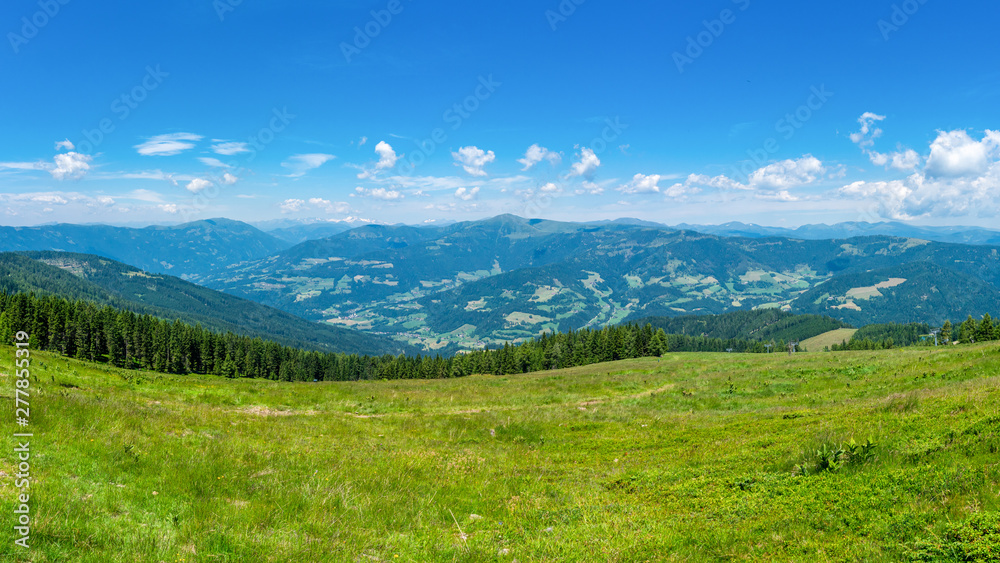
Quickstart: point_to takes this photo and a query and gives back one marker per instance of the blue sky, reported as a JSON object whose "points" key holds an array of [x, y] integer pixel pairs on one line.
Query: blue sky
{"points": [[780, 113]]}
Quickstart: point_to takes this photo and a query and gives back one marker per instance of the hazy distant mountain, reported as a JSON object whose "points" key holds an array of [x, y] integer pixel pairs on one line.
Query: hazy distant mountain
{"points": [[960, 235], [186, 250], [508, 278], [103, 281]]}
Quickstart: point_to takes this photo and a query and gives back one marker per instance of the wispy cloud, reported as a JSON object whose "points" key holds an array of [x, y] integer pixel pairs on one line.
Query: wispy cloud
{"points": [[301, 164], [168, 145]]}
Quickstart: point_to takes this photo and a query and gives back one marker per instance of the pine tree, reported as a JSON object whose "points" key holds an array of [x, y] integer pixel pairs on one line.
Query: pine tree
{"points": [[946, 333]]}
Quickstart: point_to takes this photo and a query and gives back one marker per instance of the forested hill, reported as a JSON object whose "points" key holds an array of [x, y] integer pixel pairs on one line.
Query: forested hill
{"points": [[762, 325], [187, 250], [106, 282]]}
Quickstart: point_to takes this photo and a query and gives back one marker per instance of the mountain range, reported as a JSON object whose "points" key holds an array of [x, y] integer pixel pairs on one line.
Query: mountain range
{"points": [[472, 284], [105, 282]]}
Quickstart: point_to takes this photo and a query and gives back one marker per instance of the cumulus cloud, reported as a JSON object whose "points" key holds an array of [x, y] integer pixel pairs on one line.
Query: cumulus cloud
{"points": [[230, 148], [767, 181], [536, 154], [387, 156], [787, 173], [70, 166], [292, 205], [586, 166], [642, 184], [378, 193], [466, 194], [550, 188], [903, 159], [590, 188], [869, 132], [228, 179], [198, 185], [300, 164], [168, 145], [171, 208], [65, 145], [955, 154], [961, 178], [473, 160]]}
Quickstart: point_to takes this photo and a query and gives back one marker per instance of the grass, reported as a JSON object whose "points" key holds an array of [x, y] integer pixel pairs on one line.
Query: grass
{"points": [[819, 342], [691, 457]]}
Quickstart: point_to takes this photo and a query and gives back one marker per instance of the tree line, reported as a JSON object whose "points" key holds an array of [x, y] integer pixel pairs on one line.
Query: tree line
{"points": [[123, 338], [892, 335]]}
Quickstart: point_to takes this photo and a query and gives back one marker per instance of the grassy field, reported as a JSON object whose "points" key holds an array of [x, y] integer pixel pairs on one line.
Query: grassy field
{"points": [[692, 457], [819, 342]]}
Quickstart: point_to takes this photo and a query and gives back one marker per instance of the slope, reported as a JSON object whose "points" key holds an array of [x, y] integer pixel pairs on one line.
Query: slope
{"points": [[189, 250], [103, 281]]}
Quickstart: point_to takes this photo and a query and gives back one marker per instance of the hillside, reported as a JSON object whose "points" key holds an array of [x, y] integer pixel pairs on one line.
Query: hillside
{"points": [[187, 250], [480, 283], [102, 281], [915, 292], [761, 325], [700, 456], [957, 235]]}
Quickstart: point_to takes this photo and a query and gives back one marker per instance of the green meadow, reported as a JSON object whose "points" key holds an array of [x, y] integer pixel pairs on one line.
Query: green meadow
{"points": [[851, 456]]}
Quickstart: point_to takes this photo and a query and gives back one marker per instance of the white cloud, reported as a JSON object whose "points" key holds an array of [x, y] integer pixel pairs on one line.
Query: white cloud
{"points": [[868, 133], [198, 184], [465, 194], [330, 206], [292, 205], [550, 188], [961, 178], [67, 145], [70, 166], [144, 195], [171, 208], [768, 182], [300, 164], [788, 173], [228, 179], [642, 184], [387, 157], [591, 188], [782, 195], [363, 141], [378, 193], [230, 148], [473, 160], [49, 199], [536, 154], [22, 165], [587, 165], [955, 153], [213, 162], [168, 145], [903, 159]]}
